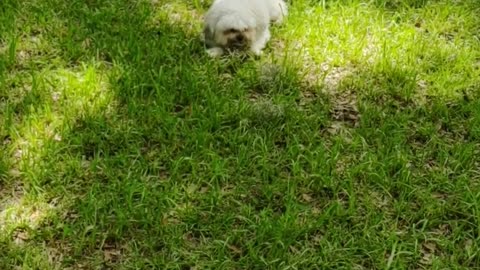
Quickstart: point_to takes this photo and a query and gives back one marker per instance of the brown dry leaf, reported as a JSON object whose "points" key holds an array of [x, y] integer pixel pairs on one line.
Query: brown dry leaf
{"points": [[343, 197], [307, 97], [57, 138], [443, 229], [226, 76], [14, 173], [306, 197], [335, 128], [345, 108], [191, 188], [23, 55], [317, 239], [20, 237], [36, 215], [227, 189], [428, 252], [18, 154], [86, 43], [426, 259], [380, 200], [344, 112], [336, 75], [78, 266], [430, 246], [341, 165], [7, 141], [422, 84], [235, 249], [70, 215], [269, 72], [468, 244], [191, 239], [54, 255], [294, 250], [316, 210], [439, 196], [253, 96], [171, 218], [111, 253]]}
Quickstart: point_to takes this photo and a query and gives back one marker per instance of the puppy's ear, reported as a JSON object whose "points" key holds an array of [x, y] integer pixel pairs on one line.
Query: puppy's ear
{"points": [[208, 35]]}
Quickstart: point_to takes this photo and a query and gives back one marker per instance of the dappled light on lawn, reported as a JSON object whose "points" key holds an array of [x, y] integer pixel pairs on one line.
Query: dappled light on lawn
{"points": [[353, 142]]}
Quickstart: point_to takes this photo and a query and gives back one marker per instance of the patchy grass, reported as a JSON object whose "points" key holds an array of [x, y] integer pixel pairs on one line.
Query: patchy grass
{"points": [[354, 143]]}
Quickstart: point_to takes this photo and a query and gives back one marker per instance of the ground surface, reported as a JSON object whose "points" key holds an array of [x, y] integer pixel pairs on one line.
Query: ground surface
{"points": [[353, 143]]}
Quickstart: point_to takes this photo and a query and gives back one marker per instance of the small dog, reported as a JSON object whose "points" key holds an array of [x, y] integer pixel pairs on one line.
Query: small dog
{"points": [[241, 24]]}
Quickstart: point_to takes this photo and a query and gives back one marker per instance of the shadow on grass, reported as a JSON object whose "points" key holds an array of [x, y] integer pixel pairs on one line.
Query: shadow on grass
{"points": [[169, 122], [177, 161]]}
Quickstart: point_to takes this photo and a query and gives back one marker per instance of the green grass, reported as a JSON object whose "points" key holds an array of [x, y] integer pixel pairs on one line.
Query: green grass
{"points": [[353, 143]]}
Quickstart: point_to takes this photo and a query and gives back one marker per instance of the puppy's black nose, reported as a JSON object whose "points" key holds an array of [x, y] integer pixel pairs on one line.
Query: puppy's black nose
{"points": [[240, 38]]}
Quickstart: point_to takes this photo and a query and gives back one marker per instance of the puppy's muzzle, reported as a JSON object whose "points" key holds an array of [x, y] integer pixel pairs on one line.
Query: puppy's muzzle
{"points": [[238, 42]]}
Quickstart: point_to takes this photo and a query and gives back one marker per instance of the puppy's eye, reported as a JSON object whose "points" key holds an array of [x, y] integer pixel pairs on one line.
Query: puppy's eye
{"points": [[231, 30]]}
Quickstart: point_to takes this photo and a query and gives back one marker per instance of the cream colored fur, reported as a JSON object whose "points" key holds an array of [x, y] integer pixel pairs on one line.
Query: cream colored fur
{"points": [[241, 24]]}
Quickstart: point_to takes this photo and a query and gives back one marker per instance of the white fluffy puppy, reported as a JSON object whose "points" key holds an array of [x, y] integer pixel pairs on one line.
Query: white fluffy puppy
{"points": [[241, 24]]}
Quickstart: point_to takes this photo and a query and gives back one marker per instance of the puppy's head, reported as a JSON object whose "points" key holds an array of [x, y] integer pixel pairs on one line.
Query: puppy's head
{"points": [[232, 32], [235, 38]]}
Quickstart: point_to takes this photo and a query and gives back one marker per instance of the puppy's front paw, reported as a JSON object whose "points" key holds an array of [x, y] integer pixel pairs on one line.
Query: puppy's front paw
{"points": [[215, 52], [277, 20], [256, 52]]}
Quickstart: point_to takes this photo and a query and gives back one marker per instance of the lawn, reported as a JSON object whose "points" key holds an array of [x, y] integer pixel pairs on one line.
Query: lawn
{"points": [[352, 143]]}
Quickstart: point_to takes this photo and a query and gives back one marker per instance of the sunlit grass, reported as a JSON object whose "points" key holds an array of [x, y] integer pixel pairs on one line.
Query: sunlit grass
{"points": [[18, 213], [353, 143]]}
